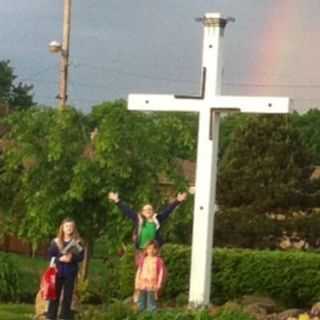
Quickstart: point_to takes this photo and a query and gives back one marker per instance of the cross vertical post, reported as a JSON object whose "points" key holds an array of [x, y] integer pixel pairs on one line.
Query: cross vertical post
{"points": [[206, 172]]}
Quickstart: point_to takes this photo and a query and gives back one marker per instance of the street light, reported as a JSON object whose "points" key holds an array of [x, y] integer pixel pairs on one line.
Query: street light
{"points": [[55, 47], [63, 49]]}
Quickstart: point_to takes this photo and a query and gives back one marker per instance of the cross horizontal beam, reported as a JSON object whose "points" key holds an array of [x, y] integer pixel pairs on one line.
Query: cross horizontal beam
{"points": [[156, 102]]}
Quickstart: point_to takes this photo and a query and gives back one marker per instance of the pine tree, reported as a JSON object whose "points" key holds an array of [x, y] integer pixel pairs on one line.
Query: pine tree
{"points": [[266, 166]]}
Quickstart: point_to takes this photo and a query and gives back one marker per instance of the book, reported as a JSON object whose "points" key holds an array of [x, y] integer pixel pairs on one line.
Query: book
{"points": [[72, 247]]}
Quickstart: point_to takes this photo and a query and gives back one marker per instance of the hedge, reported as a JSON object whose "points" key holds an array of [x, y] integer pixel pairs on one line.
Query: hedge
{"points": [[291, 278]]}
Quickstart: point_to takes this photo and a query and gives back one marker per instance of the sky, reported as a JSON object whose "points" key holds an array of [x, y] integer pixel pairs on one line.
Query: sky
{"points": [[147, 46]]}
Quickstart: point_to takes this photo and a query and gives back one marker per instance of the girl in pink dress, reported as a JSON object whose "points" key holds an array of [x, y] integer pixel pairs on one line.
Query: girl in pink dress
{"points": [[149, 277]]}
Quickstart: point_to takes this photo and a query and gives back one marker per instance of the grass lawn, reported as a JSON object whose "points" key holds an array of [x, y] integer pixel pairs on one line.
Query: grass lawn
{"points": [[16, 311]]}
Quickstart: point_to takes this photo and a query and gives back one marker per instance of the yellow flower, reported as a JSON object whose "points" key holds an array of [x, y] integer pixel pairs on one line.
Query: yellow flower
{"points": [[304, 316]]}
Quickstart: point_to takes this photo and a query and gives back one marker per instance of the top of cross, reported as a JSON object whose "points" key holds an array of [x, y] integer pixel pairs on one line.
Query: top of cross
{"points": [[210, 97], [215, 19]]}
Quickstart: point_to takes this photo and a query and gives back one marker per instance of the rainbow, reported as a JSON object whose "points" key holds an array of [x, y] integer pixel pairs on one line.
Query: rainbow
{"points": [[275, 43]]}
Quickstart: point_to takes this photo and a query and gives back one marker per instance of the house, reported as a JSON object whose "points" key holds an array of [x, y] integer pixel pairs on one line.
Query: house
{"points": [[188, 169], [11, 243]]}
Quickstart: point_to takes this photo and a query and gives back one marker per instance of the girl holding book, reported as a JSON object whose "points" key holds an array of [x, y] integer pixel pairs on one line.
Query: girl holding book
{"points": [[67, 253]]}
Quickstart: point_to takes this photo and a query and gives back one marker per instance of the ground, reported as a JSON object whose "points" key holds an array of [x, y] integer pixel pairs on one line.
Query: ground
{"points": [[16, 311]]}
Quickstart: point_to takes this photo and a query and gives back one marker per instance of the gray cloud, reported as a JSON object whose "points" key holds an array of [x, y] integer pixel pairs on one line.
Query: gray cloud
{"points": [[120, 47]]}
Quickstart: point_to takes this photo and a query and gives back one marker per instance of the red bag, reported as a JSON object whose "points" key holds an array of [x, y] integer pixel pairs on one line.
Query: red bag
{"points": [[48, 284]]}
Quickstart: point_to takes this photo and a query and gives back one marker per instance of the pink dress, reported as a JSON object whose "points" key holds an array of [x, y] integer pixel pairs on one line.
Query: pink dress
{"points": [[150, 274]]}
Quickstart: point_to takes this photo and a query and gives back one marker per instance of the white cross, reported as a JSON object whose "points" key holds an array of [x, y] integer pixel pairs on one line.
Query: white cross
{"points": [[209, 104]]}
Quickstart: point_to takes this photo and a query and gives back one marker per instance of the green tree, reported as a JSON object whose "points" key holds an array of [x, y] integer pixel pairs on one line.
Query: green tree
{"points": [[229, 124], [179, 132], [133, 150], [309, 126], [52, 169], [13, 96], [265, 170], [42, 146], [266, 166]]}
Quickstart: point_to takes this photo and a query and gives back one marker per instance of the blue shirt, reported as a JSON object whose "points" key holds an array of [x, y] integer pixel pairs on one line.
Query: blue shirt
{"points": [[65, 269]]}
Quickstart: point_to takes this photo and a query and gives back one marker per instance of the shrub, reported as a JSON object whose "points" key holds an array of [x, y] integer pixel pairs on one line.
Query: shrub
{"points": [[122, 311], [119, 311], [233, 315], [292, 278], [10, 279], [91, 313], [31, 270], [126, 272]]}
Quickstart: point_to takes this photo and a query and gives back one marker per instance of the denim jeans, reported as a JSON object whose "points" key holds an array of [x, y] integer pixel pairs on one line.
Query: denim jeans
{"points": [[147, 300]]}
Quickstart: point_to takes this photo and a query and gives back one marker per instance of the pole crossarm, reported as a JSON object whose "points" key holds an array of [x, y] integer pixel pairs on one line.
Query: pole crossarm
{"points": [[156, 102]]}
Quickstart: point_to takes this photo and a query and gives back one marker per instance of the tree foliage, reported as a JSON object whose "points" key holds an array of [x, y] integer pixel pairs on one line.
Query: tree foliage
{"points": [[52, 169], [266, 166], [309, 126], [41, 149], [228, 125], [14, 96], [133, 151]]}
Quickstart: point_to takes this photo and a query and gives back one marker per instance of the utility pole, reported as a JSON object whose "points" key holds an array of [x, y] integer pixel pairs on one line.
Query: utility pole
{"points": [[64, 62], [64, 50]]}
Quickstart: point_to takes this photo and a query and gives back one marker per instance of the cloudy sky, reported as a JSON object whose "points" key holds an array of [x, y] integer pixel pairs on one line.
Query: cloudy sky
{"points": [[154, 46]]}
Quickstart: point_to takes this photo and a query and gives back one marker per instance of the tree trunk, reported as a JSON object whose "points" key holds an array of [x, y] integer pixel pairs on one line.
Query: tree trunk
{"points": [[84, 270]]}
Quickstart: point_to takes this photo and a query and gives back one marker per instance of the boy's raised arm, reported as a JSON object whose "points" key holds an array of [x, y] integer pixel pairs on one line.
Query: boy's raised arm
{"points": [[127, 211], [164, 214]]}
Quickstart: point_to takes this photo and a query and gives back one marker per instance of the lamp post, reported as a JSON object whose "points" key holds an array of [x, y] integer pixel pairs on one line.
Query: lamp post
{"points": [[63, 49]]}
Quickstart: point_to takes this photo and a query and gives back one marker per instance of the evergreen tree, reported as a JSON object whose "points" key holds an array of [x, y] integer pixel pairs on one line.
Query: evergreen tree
{"points": [[309, 126], [13, 96], [266, 166]]}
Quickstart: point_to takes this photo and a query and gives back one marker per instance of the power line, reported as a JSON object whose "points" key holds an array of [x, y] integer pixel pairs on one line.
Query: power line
{"points": [[135, 75], [105, 86], [155, 78]]}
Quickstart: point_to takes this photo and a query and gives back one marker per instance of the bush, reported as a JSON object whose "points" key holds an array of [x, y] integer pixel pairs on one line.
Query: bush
{"points": [[233, 315], [30, 270], [121, 311], [126, 273], [10, 279], [292, 278], [102, 282]]}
